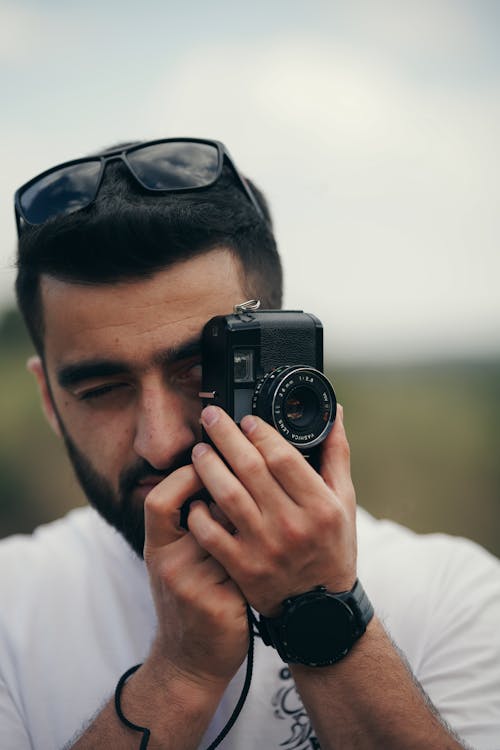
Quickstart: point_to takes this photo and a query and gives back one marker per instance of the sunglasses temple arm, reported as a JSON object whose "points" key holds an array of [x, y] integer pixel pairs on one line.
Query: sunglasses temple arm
{"points": [[251, 195], [244, 184], [18, 222]]}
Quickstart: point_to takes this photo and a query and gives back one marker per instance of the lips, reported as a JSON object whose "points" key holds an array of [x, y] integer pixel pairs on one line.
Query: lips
{"points": [[144, 486]]}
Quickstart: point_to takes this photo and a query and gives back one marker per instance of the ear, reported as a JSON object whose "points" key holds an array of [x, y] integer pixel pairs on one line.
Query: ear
{"points": [[35, 366]]}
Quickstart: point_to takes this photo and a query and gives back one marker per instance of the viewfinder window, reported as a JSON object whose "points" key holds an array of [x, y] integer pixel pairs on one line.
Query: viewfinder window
{"points": [[243, 366]]}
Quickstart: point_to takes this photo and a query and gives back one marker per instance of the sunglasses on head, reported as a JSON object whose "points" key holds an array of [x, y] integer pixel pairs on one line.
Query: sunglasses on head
{"points": [[166, 165]]}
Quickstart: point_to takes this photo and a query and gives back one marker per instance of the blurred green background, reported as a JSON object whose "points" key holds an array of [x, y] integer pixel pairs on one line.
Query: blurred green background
{"points": [[425, 444]]}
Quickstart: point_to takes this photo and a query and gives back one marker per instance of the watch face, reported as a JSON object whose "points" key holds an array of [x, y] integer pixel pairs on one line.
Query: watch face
{"points": [[320, 630]]}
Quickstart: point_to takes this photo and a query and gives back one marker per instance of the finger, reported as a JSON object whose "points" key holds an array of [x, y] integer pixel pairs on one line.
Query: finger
{"points": [[211, 537], [226, 489], [336, 457], [193, 559], [244, 459], [184, 567], [286, 464], [218, 515], [163, 504]]}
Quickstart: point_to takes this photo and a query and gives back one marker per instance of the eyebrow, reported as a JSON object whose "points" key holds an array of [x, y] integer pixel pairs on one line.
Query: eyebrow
{"points": [[78, 372]]}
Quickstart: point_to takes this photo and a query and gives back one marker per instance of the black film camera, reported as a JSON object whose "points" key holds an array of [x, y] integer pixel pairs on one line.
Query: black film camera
{"points": [[270, 363]]}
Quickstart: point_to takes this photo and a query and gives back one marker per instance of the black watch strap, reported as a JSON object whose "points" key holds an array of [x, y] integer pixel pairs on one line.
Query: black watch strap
{"points": [[359, 599]]}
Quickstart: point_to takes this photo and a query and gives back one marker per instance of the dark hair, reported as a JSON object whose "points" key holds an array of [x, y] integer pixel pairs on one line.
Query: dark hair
{"points": [[129, 233]]}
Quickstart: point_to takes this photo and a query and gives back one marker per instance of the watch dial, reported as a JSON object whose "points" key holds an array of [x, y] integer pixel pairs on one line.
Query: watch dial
{"points": [[320, 631]]}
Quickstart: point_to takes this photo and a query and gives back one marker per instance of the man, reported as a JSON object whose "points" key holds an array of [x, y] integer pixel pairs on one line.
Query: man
{"points": [[122, 260]]}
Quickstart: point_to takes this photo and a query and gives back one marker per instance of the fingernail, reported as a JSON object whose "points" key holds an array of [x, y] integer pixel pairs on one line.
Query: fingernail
{"points": [[199, 449], [248, 424], [209, 416]]}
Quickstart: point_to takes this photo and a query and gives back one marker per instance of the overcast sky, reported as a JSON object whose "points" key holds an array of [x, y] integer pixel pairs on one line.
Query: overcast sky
{"points": [[372, 125]]}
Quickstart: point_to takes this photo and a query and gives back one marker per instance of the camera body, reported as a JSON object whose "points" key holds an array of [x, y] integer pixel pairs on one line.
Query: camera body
{"points": [[270, 363]]}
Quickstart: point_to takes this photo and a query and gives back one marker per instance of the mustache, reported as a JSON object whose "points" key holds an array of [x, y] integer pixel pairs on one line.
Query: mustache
{"points": [[142, 469]]}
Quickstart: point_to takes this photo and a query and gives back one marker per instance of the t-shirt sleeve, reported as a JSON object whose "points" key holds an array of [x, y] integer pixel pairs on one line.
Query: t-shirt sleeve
{"points": [[12, 731], [460, 665]]}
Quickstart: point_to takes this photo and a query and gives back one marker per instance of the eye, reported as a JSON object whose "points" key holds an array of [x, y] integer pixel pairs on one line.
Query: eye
{"points": [[189, 376], [99, 392], [192, 373]]}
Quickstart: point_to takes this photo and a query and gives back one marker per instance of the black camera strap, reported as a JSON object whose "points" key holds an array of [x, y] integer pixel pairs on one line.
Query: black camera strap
{"points": [[246, 685], [146, 733]]}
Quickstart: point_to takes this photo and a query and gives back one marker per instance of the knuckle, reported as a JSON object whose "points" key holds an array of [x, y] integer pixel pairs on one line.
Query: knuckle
{"points": [[228, 495], [295, 533], [153, 503], [167, 572], [276, 554], [255, 573], [342, 446], [250, 463], [346, 449], [328, 515], [260, 574], [282, 457], [206, 533], [148, 555]]}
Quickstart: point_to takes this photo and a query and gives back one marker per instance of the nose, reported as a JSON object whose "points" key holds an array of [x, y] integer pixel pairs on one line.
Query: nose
{"points": [[167, 425]]}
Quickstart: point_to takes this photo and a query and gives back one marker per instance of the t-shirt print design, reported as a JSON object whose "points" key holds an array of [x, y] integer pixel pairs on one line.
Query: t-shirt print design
{"points": [[288, 707]]}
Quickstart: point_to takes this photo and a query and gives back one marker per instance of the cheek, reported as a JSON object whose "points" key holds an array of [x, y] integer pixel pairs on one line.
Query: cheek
{"points": [[106, 442], [112, 447]]}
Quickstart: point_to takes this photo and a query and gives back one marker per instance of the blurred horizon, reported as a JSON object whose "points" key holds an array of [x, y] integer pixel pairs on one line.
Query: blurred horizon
{"points": [[424, 444]]}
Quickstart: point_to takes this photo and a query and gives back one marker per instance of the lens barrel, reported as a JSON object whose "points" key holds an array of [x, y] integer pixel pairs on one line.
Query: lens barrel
{"points": [[299, 401]]}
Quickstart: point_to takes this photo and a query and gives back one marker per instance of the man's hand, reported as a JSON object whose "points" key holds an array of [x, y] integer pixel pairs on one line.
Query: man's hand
{"points": [[295, 529], [202, 622], [202, 634]]}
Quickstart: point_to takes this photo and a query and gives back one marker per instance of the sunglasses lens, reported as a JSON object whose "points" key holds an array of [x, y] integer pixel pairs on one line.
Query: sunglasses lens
{"points": [[60, 192], [175, 166]]}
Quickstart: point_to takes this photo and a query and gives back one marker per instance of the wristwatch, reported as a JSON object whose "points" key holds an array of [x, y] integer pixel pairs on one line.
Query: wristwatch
{"points": [[318, 627]]}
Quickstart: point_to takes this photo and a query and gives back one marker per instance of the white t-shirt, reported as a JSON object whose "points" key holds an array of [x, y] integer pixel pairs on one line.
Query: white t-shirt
{"points": [[76, 612]]}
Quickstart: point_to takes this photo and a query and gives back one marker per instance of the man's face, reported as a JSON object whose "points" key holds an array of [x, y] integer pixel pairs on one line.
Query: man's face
{"points": [[123, 367]]}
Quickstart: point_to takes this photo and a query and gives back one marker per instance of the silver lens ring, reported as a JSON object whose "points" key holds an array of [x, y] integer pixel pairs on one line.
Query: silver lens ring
{"points": [[299, 401]]}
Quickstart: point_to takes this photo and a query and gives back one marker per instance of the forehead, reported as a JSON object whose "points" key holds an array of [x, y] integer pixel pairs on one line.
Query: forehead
{"points": [[133, 318]]}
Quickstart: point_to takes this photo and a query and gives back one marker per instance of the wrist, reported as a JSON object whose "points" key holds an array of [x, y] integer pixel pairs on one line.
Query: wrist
{"points": [[187, 682], [156, 685]]}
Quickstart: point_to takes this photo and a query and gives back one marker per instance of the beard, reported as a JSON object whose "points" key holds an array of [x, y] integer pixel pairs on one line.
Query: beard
{"points": [[119, 508]]}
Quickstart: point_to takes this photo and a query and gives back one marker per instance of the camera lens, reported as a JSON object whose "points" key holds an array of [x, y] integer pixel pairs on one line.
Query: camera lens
{"points": [[299, 402], [301, 407]]}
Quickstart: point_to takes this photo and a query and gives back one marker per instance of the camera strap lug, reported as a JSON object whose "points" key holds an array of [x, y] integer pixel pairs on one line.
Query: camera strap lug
{"points": [[251, 305]]}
